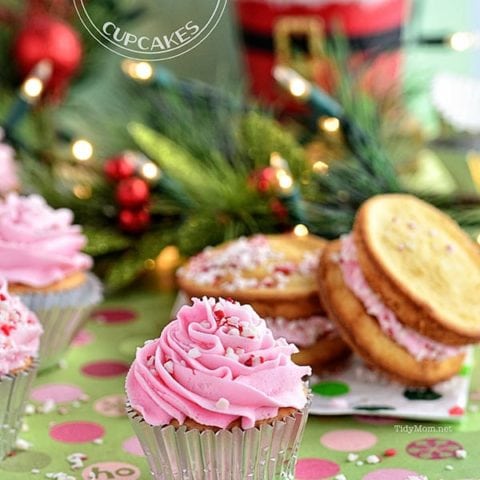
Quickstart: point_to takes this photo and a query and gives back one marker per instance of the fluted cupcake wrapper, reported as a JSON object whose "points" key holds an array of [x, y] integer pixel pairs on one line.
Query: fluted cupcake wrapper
{"points": [[266, 452], [14, 390], [62, 314]]}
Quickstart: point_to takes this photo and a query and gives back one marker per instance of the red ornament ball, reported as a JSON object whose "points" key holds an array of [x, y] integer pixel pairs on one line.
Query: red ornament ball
{"points": [[134, 221], [44, 37], [264, 180], [120, 167], [133, 192]]}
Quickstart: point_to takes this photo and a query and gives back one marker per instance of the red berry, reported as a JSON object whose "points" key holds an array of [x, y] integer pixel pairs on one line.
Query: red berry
{"points": [[133, 193], [120, 167], [134, 221]]}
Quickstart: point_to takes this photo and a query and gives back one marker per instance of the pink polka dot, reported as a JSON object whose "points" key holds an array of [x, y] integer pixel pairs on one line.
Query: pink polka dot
{"points": [[76, 432], [315, 469], [348, 440], [391, 474], [83, 338], [114, 315], [57, 392], [113, 470], [105, 368], [111, 405], [132, 445]]}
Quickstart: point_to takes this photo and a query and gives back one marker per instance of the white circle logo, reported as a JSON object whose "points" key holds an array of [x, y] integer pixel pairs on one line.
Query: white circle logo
{"points": [[159, 45]]}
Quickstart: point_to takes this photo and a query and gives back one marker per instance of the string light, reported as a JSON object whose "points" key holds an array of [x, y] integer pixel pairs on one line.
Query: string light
{"points": [[82, 150], [320, 167], [478, 239], [277, 161], [292, 81], [461, 41], [149, 264], [329, 124], [33, 86], [300, 230], [150, 171], [285, 181], [141, 71], [83, 192]]}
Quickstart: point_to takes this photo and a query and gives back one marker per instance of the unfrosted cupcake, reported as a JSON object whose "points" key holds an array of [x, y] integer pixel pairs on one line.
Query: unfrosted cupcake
{"points": [[40, 255], [20, 333], [216, 396]]}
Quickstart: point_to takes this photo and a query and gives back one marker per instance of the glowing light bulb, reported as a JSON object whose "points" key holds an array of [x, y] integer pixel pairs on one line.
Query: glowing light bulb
{"points": [[300, 230], [320, 167], [150, 171], [478, 238], [285, 181], [82, 150], [298, 87], [329, 124], [32, 88], [83, 192], [142, 71], [461, 41]]}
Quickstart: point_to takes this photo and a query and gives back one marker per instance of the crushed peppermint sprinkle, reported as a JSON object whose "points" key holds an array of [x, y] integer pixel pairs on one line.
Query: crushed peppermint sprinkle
{"points": [[411, 225], [352, 457], [222, 404], [22, 444], [229, 267], [359, 463], [372, 459], [168, 366], [449, 467], [35, 471], [341, 476], [194, 352], [461, 453], [98, 441], [230, 353], [303, 332], [59, 476], [449, 248]]}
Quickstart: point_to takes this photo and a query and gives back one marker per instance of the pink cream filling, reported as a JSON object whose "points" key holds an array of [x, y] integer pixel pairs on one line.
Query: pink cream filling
{"points": [[303, 332], [417, 345]]}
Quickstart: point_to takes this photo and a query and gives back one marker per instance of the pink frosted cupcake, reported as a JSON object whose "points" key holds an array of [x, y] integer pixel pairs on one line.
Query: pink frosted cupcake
{"points": [[216, 396], [20, 333], [40, 256]]}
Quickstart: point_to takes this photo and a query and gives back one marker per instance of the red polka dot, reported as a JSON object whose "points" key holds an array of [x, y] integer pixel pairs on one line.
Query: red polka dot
{"points": [[114, 315], [76, 432], [315, 469], [348, 440], [105, 368], [83, 338], [132, 445], [57, 392]]}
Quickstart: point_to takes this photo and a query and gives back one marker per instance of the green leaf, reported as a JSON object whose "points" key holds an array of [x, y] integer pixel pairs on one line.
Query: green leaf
{"points": [[103, 241]]}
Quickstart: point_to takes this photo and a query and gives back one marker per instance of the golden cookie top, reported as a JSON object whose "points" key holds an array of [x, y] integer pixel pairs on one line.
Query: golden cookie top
{"points": [[426, 256], [261, 264]]}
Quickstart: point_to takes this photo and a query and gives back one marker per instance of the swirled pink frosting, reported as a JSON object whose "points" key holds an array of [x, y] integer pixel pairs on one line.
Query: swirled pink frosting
{"points": [[217, 362], [20, 332], [39, 245], [416, 344]]}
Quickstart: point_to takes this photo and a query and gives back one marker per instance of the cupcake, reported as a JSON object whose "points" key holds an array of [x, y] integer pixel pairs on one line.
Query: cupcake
{"points": [[40, 256], [403, 288], [276, 275], [20, 333], [217, 396]]}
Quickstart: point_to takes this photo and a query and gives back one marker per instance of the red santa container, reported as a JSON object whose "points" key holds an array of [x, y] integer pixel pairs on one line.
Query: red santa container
{"points": [[373, 29]]}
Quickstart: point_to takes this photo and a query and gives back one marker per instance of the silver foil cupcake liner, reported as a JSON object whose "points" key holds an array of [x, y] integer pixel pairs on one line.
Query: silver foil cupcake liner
{"points": [[62, 314], [14, 390], [266, 452]]}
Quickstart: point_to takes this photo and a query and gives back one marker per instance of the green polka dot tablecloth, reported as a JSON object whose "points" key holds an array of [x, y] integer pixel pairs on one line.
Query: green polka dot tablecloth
{"points": [[76, 417]]}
